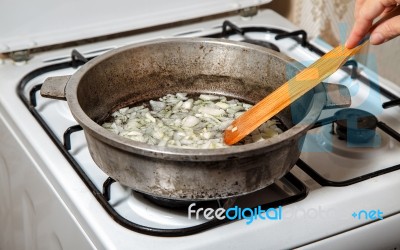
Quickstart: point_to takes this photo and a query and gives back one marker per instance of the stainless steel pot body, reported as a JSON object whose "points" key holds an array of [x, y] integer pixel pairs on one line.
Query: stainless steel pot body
{"points": [[145, 71]]}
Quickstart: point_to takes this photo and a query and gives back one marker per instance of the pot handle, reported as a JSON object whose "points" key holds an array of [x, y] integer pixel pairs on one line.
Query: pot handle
{"points": [[54, 87], [337, 96]]}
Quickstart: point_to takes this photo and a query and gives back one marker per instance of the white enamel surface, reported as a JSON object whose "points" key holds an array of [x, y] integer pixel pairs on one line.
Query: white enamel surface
{"points": [[83, 217], [31, 24]]}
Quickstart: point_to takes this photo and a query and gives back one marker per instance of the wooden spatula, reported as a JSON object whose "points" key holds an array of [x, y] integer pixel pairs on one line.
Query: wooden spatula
{"points": [[290, 91]]}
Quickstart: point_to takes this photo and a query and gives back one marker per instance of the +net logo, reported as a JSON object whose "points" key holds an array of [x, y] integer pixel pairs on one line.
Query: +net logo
{"points": [[368, 215]]}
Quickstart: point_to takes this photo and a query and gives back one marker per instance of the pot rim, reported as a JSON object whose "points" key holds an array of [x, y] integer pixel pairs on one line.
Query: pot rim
{"points": [[182, 154]]}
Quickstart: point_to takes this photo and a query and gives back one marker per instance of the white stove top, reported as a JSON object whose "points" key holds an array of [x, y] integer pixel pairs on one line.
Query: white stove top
{"points": [[323, 216]]}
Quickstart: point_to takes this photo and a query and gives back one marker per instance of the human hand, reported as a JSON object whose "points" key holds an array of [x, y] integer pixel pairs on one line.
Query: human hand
{"points": [[385, 29]]}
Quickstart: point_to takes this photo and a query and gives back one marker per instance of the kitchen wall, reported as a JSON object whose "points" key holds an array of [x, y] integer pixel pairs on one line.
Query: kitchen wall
{"points": [[332, 20]]}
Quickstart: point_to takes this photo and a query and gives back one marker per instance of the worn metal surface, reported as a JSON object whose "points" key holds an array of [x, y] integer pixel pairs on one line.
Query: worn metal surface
{"points": [[141, 72], [337, 96], [54, 87]]}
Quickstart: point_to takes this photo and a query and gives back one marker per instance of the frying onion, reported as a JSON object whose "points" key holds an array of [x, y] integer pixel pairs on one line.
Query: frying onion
{"points": [[180, 121]]}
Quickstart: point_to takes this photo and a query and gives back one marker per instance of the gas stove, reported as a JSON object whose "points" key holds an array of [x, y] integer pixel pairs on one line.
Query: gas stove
{"points": [[58, 197]]}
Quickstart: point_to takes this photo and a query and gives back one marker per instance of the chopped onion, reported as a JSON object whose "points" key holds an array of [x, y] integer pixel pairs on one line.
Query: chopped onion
{"points": [[157, 106], [190, 121], [188, 104], [180, 121], [211, 111], [209, 97]]}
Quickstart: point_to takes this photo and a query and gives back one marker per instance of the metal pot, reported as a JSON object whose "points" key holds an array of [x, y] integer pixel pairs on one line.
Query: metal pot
{"points": [[145, 71]]}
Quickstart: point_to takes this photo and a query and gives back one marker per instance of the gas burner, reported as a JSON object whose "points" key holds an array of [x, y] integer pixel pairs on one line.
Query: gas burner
{"points": [[180, 204], [351, 143], [265, 44], [355, 125]]}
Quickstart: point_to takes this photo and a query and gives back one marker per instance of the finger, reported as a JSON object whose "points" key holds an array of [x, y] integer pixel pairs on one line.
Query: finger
{"points": [[387, 10], [385, 31], [355, 36], [370, 9], [368, 12], [357, 7]]}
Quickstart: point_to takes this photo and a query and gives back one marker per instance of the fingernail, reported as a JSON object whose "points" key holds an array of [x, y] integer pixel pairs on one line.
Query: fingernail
{"points": [[376, 38]]}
